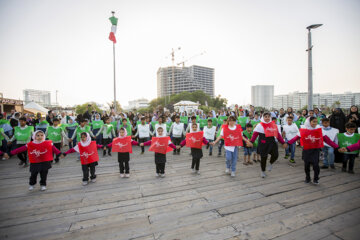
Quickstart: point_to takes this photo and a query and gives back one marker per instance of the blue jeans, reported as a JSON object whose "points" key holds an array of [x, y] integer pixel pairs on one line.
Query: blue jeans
{"points": [[328, 156], [290, 149], [231, 159], [210, 146], [247, 151], [221, 144], [98, 138]]}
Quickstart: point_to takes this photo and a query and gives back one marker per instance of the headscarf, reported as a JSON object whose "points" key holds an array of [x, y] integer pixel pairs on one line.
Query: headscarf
{"points": [[34, 137], [84, 144], [308, 125], [125, 135]]}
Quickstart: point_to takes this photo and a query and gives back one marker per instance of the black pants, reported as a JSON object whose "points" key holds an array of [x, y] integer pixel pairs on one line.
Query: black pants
{"points": [[58, 146], [274, 156], [85, 169], [160, 168], [176, 142], [142, 140], [43, 176], [195, 163], [22, 156], [316, 168], [349, 158], [124, 166]]}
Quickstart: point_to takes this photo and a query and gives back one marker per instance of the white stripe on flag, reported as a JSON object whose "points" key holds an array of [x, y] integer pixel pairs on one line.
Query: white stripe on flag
{"points": [[113, 28]]}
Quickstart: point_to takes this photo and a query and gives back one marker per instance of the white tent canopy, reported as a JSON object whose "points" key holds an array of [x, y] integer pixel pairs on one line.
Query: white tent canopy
{"points": [[187, 106], [35, 108]]}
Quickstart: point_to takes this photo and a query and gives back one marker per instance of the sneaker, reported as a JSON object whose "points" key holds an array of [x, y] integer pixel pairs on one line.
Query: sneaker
{"points": [[324, 167], [343, 169], [316, 182], [270, 167], [174, 153], [286, 157], [109, 153], [219, 154], [198, 172], [351, 171], [142, 153], [263, 174], [31, 187], [122, 175], [332, 166], [227, 170], [84, 183], [251, 163], [42, 188], [93, 180], [232, 174], [210, 153], [3, 159], [127, 175], [307, 180], [21, 163], [157, 175], [254, 160], [193, 170], [292, 161], [26, 165], [162, 175], [245, 163]]}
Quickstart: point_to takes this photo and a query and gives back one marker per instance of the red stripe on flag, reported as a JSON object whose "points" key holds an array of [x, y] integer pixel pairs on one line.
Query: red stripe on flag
{"points": [[112, 37]]}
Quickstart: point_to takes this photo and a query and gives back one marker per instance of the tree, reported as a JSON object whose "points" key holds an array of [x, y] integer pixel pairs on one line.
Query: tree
{"points": [[118, 106], [81, 109]]}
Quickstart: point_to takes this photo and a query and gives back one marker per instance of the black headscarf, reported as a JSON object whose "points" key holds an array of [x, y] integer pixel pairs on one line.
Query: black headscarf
{"points": [[354, 116], [338, 120]]}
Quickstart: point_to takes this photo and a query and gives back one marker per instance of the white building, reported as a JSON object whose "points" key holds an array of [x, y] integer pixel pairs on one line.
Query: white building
{"points": [[298, 100], [262, 95], [188, 79], [40, 97], [137, 104], [187, 106]]}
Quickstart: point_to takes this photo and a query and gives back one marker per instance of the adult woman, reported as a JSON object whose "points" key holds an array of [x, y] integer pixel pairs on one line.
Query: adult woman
{"points": [[338, 120], [354, 116]]}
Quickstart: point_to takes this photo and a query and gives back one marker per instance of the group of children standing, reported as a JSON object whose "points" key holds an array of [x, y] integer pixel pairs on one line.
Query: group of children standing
{"points": [[258, 138]]}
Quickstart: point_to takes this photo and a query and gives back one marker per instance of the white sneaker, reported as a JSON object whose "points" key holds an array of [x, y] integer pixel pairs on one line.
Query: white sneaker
{"points": [[3, 159], [93, 180], [270, 167], [198, 172], [193, 170], [127, 175], [31, 187], [227, 170], [84, 183], [232, 174], [122, 175], [157, 175], [263, 175], [162, 175], [42, 188]]}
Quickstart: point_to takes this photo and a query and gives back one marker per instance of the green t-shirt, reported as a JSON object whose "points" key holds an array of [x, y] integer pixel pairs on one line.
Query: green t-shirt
{"points": [[79, 131], [184, 119], [97, 124], [128, 129], [345, 141], [23, 134], [54, 134], [203, 123], [242, 121], [249, 136], [221, 119]]}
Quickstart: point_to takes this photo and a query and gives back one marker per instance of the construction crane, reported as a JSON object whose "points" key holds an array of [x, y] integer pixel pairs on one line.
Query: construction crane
{"points": [[196, 55], [173, 69]]}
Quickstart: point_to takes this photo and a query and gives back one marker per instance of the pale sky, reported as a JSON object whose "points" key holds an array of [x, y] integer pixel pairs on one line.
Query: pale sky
{"points": [[63, 45]]}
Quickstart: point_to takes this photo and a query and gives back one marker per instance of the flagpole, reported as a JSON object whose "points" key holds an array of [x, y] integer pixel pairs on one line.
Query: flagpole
{"points": [[114, 73]]}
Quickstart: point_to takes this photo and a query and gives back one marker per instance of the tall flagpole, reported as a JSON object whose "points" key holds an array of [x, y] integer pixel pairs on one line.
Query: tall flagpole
{"points": [[114, 73]]}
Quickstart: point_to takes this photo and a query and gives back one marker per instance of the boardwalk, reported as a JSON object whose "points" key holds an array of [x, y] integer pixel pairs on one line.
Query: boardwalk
{"points": [[180, 206]]}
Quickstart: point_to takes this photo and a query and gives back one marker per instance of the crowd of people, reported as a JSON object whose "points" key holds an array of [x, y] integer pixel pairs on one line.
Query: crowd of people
{"points": [[40, 139]]}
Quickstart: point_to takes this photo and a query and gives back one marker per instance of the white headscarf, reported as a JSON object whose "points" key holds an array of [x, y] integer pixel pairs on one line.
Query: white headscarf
{"points": [[308, 125], [125, 135], [34, 137], [84, 144]]}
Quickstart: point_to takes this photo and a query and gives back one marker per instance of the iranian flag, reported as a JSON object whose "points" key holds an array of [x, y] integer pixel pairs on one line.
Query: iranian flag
{"points": [[113, 21]]}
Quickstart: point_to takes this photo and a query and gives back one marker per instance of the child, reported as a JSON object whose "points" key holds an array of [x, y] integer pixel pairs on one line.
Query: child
{"points": [[70, 128], [22, 135], [160, 151], [177, 131], [247, 134], [107, 131], [127, 126], [80, 129], [3, 138], [327, 150], [347, 139], [232, 138], [123, 154], [196, 152], [193, 121], [209, 134], [312, 140], [290, 130], [267, 131], [88, 155], [143, 132], [96, 125], [161, 124], [56, 135], [42, 125], [40, 154]]}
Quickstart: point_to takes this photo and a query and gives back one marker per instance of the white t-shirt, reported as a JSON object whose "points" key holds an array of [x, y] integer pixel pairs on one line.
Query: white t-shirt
{"points": [[209, 133], [229, 148], [144, 130], [177, 129], [331, 133], [291, 131]]}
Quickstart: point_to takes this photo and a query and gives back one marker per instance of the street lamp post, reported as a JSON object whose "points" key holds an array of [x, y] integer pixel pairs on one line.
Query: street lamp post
{"points": [[310, 81]]}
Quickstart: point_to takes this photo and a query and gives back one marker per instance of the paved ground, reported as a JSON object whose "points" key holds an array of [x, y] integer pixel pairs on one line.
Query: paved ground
{"points": [[182, 205]]}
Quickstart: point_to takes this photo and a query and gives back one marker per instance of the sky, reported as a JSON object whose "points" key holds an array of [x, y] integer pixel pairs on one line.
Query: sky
{"points": [[63, 45]]}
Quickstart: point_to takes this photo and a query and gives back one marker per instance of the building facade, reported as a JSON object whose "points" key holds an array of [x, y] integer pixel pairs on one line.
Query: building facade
{"points": [[137, 104], [298, 100], [188, 79], [40, 97], [262, 95]]}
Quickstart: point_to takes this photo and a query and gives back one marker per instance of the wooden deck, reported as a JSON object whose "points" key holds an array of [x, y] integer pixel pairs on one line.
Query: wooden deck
{"points": [[182, 205]]}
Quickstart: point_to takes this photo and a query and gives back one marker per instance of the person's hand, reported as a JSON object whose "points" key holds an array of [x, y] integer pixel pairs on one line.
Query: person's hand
{"points": [[342, 150], [141, 144], [62, 156], [70, 140], [249, 144], [212, 143], [8, 143], [285, 145], [178, 147], [6, 156]]}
